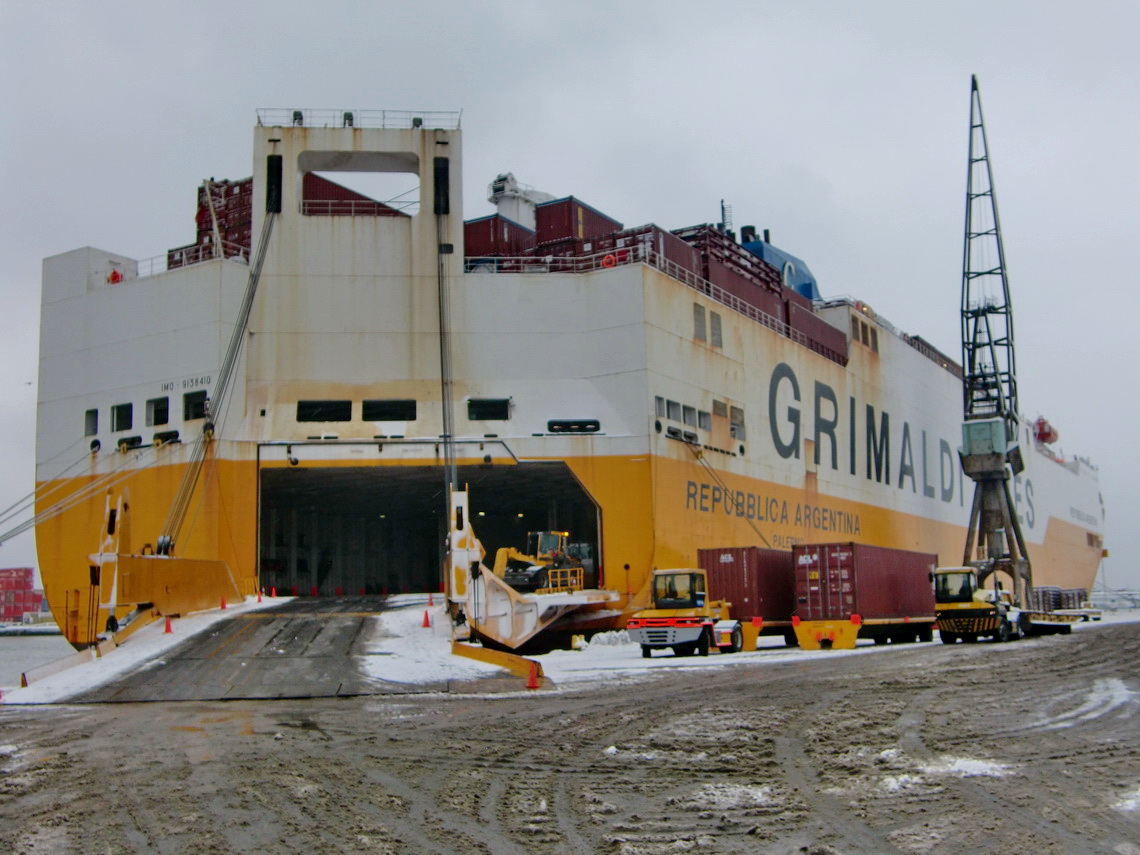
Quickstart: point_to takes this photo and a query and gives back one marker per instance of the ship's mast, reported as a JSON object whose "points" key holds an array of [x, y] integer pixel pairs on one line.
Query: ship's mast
{"points": [[990, 454]]}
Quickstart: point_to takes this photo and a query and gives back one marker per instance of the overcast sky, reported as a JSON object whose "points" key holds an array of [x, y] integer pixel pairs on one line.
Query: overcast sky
{"points": [[840, 126]]}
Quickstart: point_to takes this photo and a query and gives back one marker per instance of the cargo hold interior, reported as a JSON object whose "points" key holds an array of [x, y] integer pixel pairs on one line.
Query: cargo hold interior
{"points": [[380, 529]]}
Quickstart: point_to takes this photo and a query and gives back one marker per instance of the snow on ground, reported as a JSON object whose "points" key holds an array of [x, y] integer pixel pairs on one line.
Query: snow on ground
{"points": [[402, 650], [966, 767], [1130, 801], [146, 645]]}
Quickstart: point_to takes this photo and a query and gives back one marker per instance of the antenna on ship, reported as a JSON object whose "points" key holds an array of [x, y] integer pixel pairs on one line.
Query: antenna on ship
{"points": [[990, 454]]}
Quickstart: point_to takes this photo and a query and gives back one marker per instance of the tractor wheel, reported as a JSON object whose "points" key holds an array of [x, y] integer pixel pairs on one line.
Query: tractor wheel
{"points": [[646, 651], [1003, 633], [948, 637], [702, 645], [737, 642]]}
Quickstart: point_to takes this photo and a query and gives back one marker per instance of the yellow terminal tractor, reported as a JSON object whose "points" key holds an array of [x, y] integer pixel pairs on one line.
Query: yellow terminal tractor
{"points": [[683, 618]]}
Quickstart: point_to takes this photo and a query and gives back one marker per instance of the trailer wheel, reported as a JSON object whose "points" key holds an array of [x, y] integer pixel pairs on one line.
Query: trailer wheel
{"points": [[737, 641], [701, 648], [646, 651], [948, 637], [926, 633]]}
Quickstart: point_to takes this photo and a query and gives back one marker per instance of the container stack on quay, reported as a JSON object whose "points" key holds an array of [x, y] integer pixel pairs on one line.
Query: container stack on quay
{"points": [[17, 594]]}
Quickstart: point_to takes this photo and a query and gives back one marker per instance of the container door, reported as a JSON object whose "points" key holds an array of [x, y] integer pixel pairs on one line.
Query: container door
{"points": [[834, 577]]}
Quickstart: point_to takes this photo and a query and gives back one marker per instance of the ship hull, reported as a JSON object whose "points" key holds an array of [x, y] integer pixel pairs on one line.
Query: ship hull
{"points": [[623, 399]]}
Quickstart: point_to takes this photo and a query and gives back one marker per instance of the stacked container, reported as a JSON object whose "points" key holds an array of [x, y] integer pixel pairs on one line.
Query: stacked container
{"points": [[568, 218], [17, 595]]}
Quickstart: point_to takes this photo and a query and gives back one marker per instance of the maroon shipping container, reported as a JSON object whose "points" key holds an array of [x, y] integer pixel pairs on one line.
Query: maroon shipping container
{"points": [[757, 582], [323, 197], [569, 218], [837, 580], [715, 246], [731, 281], [828, 340], [19, 574], [792, 296], [565, 248], [654, 239], [495, 236]]}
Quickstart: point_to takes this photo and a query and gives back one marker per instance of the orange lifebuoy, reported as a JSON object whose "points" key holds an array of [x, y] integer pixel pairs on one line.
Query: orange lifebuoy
{"points": [[609, 261]]}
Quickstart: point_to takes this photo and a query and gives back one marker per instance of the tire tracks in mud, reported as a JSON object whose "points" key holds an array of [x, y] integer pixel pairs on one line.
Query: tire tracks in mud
{"points": [[850, 755]]}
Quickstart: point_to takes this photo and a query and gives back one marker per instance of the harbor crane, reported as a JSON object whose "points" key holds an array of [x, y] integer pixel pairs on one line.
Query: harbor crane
{"points": [[990, 453]]}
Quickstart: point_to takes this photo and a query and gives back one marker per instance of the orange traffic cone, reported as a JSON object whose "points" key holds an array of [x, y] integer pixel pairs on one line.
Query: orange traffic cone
{"points": [[430, 601], [259, 590], [427, 620], [273, 592], [168, 630], [223, 602], [532, 680]]}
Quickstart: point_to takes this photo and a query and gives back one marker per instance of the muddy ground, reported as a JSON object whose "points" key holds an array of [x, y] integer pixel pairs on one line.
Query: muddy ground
{"points": [[1031, 747]]}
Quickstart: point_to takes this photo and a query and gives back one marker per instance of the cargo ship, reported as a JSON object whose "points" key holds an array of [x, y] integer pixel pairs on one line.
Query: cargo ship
{"points": [[650, 392]]}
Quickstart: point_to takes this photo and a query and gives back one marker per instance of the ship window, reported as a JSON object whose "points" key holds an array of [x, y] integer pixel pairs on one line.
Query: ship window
{"points": [[488, 409], [389, 410], [698, 322], [874, 340], [91, 423], [122, 416], [704, 420], [194, 405], [660, 404], [720, 408], [157, 411], [714, 329], [673, 410], [866, 335], [736, 423], [324, 411], [690, 415]]}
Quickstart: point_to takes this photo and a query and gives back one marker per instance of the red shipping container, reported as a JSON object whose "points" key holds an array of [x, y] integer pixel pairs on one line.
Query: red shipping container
{"points": [[757, 582], [837, 580], [496, 236], [655, 239], [727, 279], [792, 296], [569, 218], [559, 248], [323, 197], [827, 340]]}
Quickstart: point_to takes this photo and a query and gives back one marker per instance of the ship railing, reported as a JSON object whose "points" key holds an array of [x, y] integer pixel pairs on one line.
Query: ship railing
{"points": [[357, 207], [349, 117], [639, 253], [183, 256]]}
